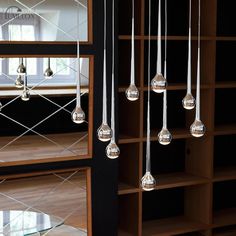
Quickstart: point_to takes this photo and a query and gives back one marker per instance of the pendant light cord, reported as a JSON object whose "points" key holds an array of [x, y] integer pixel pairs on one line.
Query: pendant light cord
{"points": [[104, 109], [165, 73], [148, 145], [189, 85], [159, 56], [113, 74], [132, 80], [198, 64], [78, 89]]}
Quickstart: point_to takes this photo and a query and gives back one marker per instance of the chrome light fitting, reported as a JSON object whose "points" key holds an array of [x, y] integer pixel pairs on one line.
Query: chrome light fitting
{"points": [[132, 92], [48, 74], [198, 129], [104, 132], [21, 70], [159, 82], [78, 115], [148, 182], [112, 150]]}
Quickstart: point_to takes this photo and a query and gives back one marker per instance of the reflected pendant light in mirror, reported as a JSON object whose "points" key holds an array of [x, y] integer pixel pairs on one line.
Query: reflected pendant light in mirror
{"points": [[159, 83], [78, 115], [21, 70], [148, 182], [112, 150], [48, 74], [198, 129], [19, 83], [25, 96], [104, 132], [132, 92], [189, 101], [164, 136]]}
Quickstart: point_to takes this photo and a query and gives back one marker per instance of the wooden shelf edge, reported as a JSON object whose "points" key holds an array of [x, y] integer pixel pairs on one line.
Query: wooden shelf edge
{"points": [[225, 217], [124, 188], [172, 226], [224, 174], [225, 129]]}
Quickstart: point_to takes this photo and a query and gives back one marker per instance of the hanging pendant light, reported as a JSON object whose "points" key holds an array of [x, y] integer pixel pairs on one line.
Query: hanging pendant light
{"points": [[112, 149], [25, 94], [104, 132], [0, 106], [189, 101], [159, 83], [132, 92], [148, 182], [78, 115], [48, 74], [164, 136], [19, 83], [21, 70], [198, 129]]}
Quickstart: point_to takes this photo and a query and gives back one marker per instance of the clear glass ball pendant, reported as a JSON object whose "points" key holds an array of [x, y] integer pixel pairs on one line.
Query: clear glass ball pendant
{"points": [[164, 137], [132, 93], [188, 101], [0, 106], [48, 74], [21, 70], [148, 183], [112, 150], [104, 133], [159, 83], [25, 95], [78, 115], [197, 129], [19, 83]]}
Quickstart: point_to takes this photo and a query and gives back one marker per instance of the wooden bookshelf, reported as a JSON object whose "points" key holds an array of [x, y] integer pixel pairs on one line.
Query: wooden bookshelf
{"points": [[189, 172]]}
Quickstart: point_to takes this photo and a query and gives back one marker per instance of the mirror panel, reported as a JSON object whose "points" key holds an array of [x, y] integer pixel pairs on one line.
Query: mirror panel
{"points": [[45, 20], [41, 129]]}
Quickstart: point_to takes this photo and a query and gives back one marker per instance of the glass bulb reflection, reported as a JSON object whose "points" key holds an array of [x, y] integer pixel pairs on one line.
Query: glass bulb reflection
{"points": [[19, 83], [78, 115], [21, 70], [159, 83], [48, 74], [197, 129], [112, 150], [132, 93], [164, 137], [0, 106], [104, 133], [188, 101], [148, 183], [25, 95]]}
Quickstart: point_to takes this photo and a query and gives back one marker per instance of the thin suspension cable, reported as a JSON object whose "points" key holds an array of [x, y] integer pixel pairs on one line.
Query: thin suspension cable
{"points": [[198, 64], [159, 56], [113, 75], [104, 109], [132, 78], [78, 86], [165, 73], [148, 152], [189, 85]]}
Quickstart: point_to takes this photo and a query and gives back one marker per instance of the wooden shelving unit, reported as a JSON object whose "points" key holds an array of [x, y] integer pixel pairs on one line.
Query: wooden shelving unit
{"points": [[193, 175]]}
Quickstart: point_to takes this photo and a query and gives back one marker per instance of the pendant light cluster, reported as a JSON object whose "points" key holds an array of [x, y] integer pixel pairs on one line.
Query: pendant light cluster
{"points": [[104, 132]]}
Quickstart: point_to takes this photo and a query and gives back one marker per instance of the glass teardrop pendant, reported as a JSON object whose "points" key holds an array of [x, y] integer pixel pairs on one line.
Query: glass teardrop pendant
{"points": [[188, 101], [159, 83], [0, 106], [197, 129], [132, 93], [21, 70], [112, 150], [164, 137], [25, 95], [19, 83], [48, 74], [148, 182], [104, 133], [78, 115]]}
